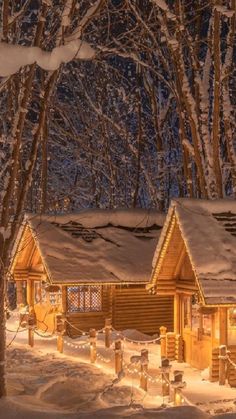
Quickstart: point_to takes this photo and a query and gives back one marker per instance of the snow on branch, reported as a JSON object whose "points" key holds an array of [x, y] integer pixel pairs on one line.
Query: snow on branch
{"points": [[161, 4], [91, 12], [13, 57]]}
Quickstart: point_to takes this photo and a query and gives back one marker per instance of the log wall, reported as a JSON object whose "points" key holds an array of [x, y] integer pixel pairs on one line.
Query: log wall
{"points": [[129, 307], [135, 308]]}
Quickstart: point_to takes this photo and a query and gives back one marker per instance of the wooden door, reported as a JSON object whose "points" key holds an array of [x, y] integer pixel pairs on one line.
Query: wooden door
{"points": [[185, 324]]}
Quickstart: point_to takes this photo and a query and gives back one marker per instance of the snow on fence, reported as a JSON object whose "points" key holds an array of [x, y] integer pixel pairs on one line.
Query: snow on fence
{"points": [[138, 366]]}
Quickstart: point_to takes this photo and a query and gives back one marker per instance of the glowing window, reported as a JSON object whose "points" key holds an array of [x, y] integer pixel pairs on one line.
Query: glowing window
{"points": [[187, 311], [207, 324], [37, 292], [84, 299], [232, 317]]}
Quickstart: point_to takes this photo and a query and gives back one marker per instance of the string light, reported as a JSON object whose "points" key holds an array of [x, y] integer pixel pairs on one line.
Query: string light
{"points": [[76, 346]]}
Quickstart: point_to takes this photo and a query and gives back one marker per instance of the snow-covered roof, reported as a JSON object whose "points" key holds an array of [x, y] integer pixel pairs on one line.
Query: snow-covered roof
{"points": [[209, 232], [107, 246]]}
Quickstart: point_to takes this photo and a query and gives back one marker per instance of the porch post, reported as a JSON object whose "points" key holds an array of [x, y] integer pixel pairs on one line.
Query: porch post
{"points": [[64, 299], [223, 326], [177, 314], [19, 292], [30, 292]]}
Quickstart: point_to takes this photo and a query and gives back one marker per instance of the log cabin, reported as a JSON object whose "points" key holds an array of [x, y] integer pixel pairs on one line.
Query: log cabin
{"points": [[195, 263], [90, 266]]}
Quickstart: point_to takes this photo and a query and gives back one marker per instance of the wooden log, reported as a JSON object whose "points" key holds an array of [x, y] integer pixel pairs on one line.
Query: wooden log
{"points": [[31, 337], [214, 366], [170, 345], [30, 293], [19, 293], [179, 353], [60, 343], [223, 326], [222, 365], [165, 376], [31, 327], [163, 330], [108, 327], [144, 369], [93, 349], [64, 299], [118, 357], [60, 331]]}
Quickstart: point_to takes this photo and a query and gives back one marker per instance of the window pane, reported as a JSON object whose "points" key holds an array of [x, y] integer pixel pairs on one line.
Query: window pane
{"points": [[232, 317], [37, 292], [73, 299], [206, 323], [84, 298]]}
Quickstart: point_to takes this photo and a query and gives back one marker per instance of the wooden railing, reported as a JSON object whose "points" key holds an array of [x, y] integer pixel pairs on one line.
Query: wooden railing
{"points": [[223, 365]]}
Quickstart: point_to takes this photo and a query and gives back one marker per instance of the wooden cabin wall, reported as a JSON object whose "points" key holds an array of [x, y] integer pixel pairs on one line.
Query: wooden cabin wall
{"points": [[128, 307], [45, 315], [135, 308]]}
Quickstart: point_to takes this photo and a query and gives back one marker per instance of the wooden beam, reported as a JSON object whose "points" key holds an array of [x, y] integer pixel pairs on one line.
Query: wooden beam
{"points": [[177, 314], [180, 261], [30, 292], [223, 311], [19, 293], [64, 299]]}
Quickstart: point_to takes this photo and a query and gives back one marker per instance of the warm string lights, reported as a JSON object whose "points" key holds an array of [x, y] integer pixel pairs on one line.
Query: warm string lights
{"points": [[77, 346], [136, 371], [133, 369], [106, 360]]}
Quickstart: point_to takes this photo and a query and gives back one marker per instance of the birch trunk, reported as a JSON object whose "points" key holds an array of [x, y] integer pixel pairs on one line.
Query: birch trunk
{"points": [[2, 333], [216, 104]]}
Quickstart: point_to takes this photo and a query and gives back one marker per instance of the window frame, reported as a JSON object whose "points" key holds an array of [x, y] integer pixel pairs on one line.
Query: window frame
{"points": [[83, 303]]}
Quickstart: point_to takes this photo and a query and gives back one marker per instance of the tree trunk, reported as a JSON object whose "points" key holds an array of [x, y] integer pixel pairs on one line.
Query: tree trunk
{"points": [[2, 334]]}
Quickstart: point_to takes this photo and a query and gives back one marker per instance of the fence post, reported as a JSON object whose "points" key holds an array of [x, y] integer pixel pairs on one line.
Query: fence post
{"points": [[118, 357], [31, 327], [163, 330], [178, 384], [108, 333], [222, 364], [144, 369], [179, 348], [93, 350], [60, 331], [165, 376]]}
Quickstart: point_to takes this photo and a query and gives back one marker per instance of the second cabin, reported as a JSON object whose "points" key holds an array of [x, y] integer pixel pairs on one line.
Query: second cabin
{"points": [[91, 266], [195, 263]]}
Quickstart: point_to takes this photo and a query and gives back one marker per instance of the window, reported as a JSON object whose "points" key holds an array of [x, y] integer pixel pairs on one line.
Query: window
{"points": [[232, 317], [84, 299], [37, 292], [187, 311], [40, 295], [195, 317], [207, 324]]}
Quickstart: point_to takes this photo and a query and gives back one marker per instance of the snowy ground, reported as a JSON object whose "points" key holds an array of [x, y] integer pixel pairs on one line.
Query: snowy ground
{"points": [[43, 383]]}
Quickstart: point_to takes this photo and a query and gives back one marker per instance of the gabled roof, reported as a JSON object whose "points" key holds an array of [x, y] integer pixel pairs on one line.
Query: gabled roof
{"points": [[208, 229], [105, 246]]}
